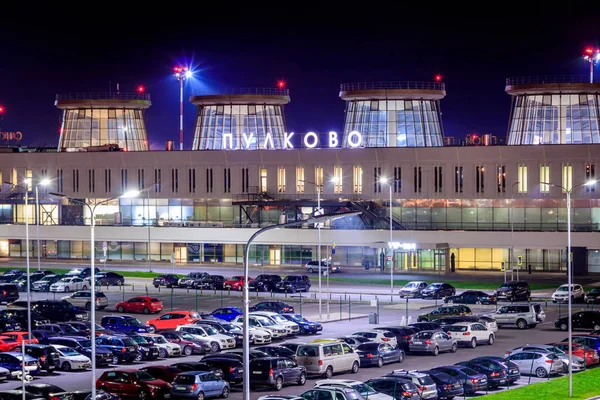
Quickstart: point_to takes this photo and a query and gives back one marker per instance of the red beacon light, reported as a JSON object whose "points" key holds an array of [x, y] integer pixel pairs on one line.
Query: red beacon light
{"points": [[281, 84], [141, 89], [1, 109], [438, 78]]}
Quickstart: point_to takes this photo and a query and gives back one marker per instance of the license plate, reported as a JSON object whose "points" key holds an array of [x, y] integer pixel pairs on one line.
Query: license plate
{"points": [[256, 372], [182, 388], [417, 342], [167, 396], [502, 380]]}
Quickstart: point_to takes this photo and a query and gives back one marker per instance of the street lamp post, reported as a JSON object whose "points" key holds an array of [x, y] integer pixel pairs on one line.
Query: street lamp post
{"points": [[246, 301], [92, 318], [384, 180], [592, 56], [43, 182], [569, 272], [512, 231], [181, 73]]}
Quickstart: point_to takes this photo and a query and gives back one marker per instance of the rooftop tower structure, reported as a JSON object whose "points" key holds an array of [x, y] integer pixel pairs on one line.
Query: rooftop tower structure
{"points": [[101, 119], [393, 114], [553, 110], [246, 118]]}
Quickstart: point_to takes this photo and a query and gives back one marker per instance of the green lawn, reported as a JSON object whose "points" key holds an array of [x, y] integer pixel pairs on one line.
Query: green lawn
{"points": [[127, 274], [456, 284], [585, 385]]}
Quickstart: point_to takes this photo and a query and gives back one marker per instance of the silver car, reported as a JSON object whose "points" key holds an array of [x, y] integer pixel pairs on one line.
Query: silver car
{"points": [[412, 289], [578, 362], [83, 300], [432, 342], [539, 364]]}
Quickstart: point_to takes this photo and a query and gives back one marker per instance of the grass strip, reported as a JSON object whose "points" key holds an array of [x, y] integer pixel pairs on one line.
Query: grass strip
{"points": [[457, 284]]}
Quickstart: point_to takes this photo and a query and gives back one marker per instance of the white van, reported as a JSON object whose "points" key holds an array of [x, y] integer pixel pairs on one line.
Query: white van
{"points": [[327, 358]]}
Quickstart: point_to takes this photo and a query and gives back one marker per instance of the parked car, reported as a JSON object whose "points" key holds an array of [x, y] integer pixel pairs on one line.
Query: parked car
{"points": [[402, 333], [9, 325], [191, 280], [108, 278], [12, 361], [495, 372], [488, 322], [593, 296], [353, 341], [166, 373], [69, 283], [305, 326], [589, 355], [325, 359], [43, 285], [82, 272], [426, 385], [59, 329], [58, 310], [273, 306], [123, 324], [142, 304], [399, 390], [263, 323], [538, 364], [20, 315], [578, 364], [291, 328], [83, 300], [124, 348], [167, 280], [46, 391], [277, 351], [84, 346], [293, 284], [438, 290], [21, 282], [264, 283], [561, 295], [218, 340], [227, 328], [235, 283], [147, 351], [198, 366], [425, 326], [589, 320], [350, 386], [171, 320], [512, 374], [199, 384], [326, 267], [133, 383], [227, 313], [513, 291], [47, 356], [445, 311], [70, 359], [472, 380], [189, 343], [379, 336], [377, 354], [275, 372], [522, 316], [471, 297], [432, 342], [211, 282], [9, 292], [471, 334], [448, 387], [412, 289], [322, 392], [233, 369], [165, 347]]}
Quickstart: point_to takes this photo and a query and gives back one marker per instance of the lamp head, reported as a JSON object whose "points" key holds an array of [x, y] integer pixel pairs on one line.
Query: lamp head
{"points": [[27, 181], [591, 182], [45, 182], [129, 194], [383, 180]]}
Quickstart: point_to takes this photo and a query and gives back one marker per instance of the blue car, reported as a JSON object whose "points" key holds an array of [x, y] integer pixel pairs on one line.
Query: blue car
{"points": [[227, 313], [306, 327], [189, 385], [123, 324], [472, 380], [12, 362]]}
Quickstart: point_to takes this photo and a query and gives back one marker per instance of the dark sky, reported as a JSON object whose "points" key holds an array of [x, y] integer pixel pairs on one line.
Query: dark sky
{"points": [[314, 48]]}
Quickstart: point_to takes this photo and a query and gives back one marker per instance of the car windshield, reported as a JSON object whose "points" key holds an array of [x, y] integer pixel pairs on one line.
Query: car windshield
{"points": [[210, 331], [160, 339], [457, 328], [595, 291], [410, 285], [69, 329], [144, 376], [235, 279], [132, 322], [265, 321], [188, 336], [232, 328], [128, 341], [65, 280], [139, 340], [279, 318], [69, 352], [508, 286], [564, 288], [364, 389], [86, 343], [435, 285]]}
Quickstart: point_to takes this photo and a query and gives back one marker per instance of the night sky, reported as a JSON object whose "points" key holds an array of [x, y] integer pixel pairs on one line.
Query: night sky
{"points": [[313, 49]]}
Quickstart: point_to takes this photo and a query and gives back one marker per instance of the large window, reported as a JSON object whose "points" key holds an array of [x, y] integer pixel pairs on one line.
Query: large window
{"points": [[338, 179], [567, 178], [281, 179], [522, 179], [544, 178], [299, 179], [479, 179], [357, 179], [319, 177], [263, 180], [590, 176]]}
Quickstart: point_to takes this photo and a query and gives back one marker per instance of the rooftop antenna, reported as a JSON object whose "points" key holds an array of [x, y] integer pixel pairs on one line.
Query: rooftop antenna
{"points": [[118, 91]]}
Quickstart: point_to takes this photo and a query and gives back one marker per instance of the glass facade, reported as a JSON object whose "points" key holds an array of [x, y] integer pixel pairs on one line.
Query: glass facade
{"points": [[394, 123], [555, 119], [86, 127], [239, 127]]}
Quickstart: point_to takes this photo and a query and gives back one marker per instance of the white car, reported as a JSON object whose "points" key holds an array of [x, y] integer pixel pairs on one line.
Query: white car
{"points": [[562, 293], [379, 336], [218, 340], [471, 333], [260, 322], [69, 359], [412, 289], [365, 390], [259, 336], [291, 327], [165, 348], [68, 284]]}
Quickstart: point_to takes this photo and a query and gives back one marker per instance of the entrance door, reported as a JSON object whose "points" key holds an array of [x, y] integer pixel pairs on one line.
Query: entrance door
{"points": [[181, 254], [439, 260], [274, 255], [408, 260]]}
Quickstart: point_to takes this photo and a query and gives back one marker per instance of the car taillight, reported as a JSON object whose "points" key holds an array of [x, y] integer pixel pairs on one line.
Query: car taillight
{"points": [[123, 349], [42, 358], [271, 372], [549, 361], [320, 362], [231, 369], [4, 292], [422, 388], [474, 380], [410, 341], [466, 333], [507, 353], [447, 387], [495, 374], [54, 398], [407, 337], [369, 355], [385, 339], [428, 341], [407, 394], [285, 309], [194, 387]]}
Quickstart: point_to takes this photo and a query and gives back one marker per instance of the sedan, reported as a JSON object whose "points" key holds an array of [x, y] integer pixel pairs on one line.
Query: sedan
{"points": [[593, 296], [45, 391], [589, 355], [378, 354], [168, 280], [580, 320], [471, 297], [235, 283], [412, 289], [140, 304], [166, 373], [432, 342], [306, 327], [131, 383], [68, 284], [473, 381], [171, 320], [109, 278], [512, 370], [227, 313], [190, 344], [438, 290], [70, 359]]}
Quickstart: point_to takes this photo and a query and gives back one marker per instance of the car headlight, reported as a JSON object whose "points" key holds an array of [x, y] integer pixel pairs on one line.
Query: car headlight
{"points": [[223, 341]]}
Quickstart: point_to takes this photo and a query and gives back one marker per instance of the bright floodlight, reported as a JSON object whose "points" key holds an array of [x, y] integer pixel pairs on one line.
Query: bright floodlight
{"points": [[27, 181], [590, 183], [188, 74], [130, 194], [383, 180], [45, 182]]}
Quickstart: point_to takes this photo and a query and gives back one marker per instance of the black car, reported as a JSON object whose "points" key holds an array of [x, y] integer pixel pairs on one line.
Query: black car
{"points": [[495, 372], [147, 351], [278, 307], [233, 369], [9, 278], [438, 290], [198, 366], [83, 346], [211, 282], [109, 278], [513, 291], [293, 284], [20, 315], [264, 283], [43, 285], [471, 297], [472, 380], [124, 348], [9, 325], [447, 386], [425, 326], [17, 395], [191, 280], [43, 337], [46, 391], [402, 333], [58, 310], [21, 282], [513, 373], [276, 372], [9, 292], [589, 320], [47, 356], [398, 389], [593, 296], [277, 351], [168, 280]]}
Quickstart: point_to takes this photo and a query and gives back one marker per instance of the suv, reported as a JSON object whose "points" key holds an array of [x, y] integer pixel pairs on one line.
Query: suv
{"points": [[191, 279], [522, 316], [83, 299], [58, 310], [293, 284], [83, 345], [276, 372], [211, 282], [9, 292], [43, 285], [331, 392], [20, 315], [47, 355], [562, 294], [426, 385], [264, 283], [124, 348], [445, 311], [168, 280], [123, 324], [513, 290], [326, 267]]}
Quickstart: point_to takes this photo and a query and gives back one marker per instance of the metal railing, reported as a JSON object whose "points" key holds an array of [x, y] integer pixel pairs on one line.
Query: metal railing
{"points": [[393, 85], [543, 79], [242, 91], [103, 96]]}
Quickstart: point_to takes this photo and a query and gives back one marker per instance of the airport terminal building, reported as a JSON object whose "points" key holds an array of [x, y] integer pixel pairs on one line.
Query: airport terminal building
{"points": [[474, 204]]}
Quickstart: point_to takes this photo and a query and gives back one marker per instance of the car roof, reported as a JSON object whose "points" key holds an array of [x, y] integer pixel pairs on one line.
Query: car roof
{"points": [[337, 382], [466, 323]]}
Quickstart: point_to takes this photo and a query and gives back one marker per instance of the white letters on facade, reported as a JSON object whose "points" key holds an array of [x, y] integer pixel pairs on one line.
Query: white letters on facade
{"points": [[227, 141], [308, 143], [355, 139], [268, 140], [247, 140], [287, 144], [333, 139]]}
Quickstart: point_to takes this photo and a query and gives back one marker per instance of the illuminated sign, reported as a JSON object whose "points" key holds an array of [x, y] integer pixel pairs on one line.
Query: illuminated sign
{"points": [[11, 136], [402, 246], [309, 140]]}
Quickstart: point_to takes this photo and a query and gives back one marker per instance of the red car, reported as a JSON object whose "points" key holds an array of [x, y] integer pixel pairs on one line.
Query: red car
{"points": [[131, 383], [173, 319], [589, 355], [19, 337], [166, 373], [140, 304], [8, 344], [235, 283]]}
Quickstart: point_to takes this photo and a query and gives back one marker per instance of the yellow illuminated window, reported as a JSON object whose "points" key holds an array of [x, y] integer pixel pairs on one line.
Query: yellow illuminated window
{"points": [[29, 179], [263, 180], [300, 179], [337, 179], [522, 177], [567, 178], [319, 177], [357, 179], [280, 179], [544, 178]]}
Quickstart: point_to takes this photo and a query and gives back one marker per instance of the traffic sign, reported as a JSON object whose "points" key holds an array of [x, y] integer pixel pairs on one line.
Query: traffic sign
{"points": [[104, 245], [333, 245], [332, 251]]}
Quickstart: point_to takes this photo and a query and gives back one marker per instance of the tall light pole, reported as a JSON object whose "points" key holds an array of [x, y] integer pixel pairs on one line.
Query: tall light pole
{"points": [[512, 231], [181, 73], [592, 56], [43, 182], [385, 180], [92, 210], [147, 190], [569, 272], [246, 307]]}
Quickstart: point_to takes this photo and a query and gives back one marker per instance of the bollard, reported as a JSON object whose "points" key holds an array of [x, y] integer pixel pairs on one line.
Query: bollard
{"points": [[123, 290], [132, 287], [187, 289], [228, 291], [349, 308], [171, 298], [271, 293], [345, 295], [196, 299], [377, 300], [407, 308], [360, 297], [300, 303], [146, 290], [221, 299], [340, 307], [285, 293]]}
